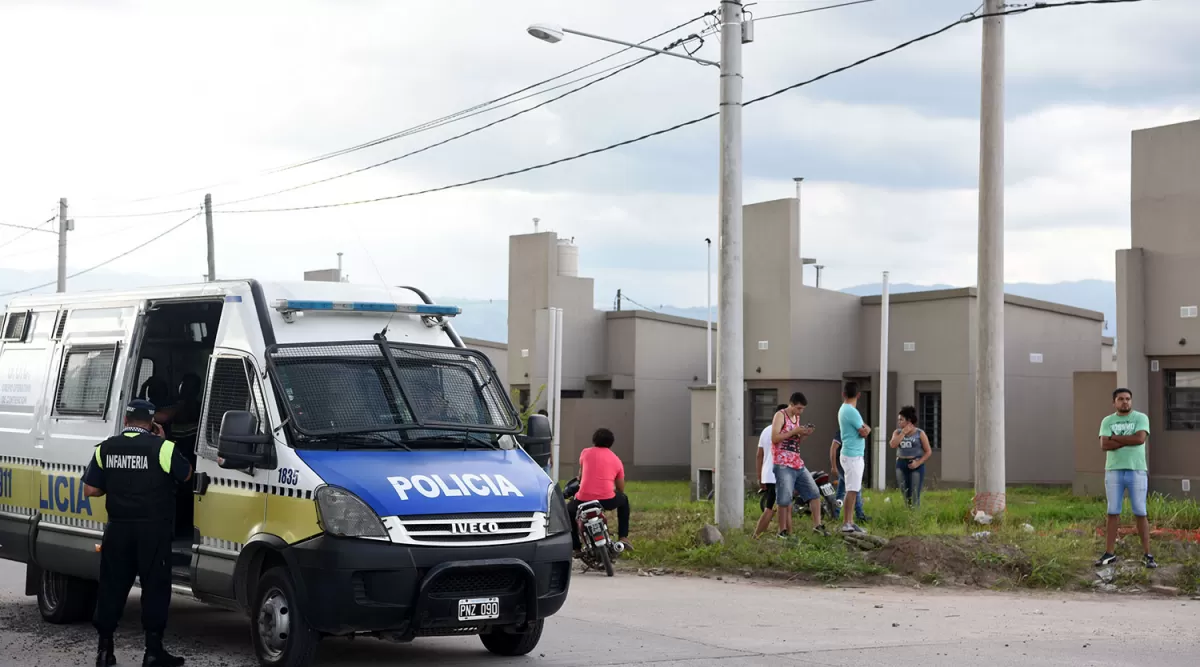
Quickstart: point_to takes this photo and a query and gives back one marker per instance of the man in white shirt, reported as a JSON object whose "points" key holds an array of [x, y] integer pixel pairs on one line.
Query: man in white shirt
{"points": [[766, 477]]}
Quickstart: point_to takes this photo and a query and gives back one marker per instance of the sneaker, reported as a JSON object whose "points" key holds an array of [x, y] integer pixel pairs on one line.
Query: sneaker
{"points": [[1106, 559], [862, 519], [821, 530], [1150, 562], [783, 535], [852, 528]]}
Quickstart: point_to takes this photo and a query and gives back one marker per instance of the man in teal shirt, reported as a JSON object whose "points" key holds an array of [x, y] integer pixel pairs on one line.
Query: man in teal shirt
{"points": [[1123, 435], [854, 449]]}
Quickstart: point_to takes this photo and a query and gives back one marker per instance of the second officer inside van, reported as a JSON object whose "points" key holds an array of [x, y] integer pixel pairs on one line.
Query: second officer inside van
{"points": [[137, 471]]}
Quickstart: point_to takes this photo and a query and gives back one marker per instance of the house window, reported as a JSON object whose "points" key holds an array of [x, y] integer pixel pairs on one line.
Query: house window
{"points": [[85, 381], [705, 431], [618, 393], [929, 406], [762, 409], [572, 393], [1183, 400]]}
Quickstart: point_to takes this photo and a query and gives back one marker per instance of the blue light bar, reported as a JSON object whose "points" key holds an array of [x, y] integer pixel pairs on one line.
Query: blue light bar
{"points": [[292, 306]]}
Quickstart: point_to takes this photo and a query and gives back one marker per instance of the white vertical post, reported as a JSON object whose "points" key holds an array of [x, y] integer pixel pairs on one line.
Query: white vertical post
{"points": [[708, 334], [551, 390], [881, 430], [731, 401], [989, 371], [559, 329]]}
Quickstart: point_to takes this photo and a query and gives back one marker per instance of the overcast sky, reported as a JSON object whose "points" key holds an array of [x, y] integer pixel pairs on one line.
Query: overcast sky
{"points": [[107, 101]]}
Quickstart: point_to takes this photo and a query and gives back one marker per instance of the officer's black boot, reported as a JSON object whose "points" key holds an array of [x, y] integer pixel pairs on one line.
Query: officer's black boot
{"points": [[156, 655], [104, 654]]}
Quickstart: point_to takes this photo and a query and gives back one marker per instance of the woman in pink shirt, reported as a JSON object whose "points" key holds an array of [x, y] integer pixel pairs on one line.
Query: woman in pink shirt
{"points": [[602, 478]]}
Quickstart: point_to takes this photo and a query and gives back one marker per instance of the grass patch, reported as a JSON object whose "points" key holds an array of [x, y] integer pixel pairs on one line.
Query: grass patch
{"points": [[1057, 553]]}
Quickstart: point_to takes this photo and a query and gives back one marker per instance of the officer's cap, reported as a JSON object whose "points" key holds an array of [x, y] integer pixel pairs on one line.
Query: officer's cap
{"points": [[139, 409]]}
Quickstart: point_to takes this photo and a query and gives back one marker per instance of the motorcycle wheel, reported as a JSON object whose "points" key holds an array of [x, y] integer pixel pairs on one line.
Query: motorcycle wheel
{"points": [[606, 559]]}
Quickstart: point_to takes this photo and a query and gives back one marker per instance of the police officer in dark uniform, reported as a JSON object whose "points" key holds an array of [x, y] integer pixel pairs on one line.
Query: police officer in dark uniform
{"points": [[138, 471]]}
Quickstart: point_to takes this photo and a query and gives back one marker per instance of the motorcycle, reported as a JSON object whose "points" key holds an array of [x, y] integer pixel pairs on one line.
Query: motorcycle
{"points": [[598, 550], [829, 503]]}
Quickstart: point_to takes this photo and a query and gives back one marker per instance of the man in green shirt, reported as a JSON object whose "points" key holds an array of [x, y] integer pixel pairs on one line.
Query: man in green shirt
{"points": [[1123, 435]]}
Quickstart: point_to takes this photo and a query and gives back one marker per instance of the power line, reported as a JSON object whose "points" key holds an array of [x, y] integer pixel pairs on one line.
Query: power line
{"points": [[618, 70], [427, 125], [811, 10], [970, 18], [108, 261], [27, 231]]}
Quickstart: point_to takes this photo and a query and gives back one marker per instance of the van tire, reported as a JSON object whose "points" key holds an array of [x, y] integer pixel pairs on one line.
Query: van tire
{"points": [[63, 599], [282, 638], [512, 644]]}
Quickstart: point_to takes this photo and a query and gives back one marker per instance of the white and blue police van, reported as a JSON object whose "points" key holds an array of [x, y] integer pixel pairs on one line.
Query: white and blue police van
{"points": [[358, 471]]}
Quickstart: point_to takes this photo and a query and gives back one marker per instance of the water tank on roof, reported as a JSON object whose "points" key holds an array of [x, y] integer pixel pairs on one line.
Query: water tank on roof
{"points": [[568, 258]]}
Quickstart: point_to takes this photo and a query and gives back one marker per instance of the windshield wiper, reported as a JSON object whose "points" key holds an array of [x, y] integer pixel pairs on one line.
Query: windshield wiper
{"points": [[359, 439], [456, 438]]}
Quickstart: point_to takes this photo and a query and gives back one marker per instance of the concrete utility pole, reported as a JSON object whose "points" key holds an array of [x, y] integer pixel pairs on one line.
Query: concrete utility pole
{"points": [[212, 250], [63, 227], [989, 374], [731, 431]]}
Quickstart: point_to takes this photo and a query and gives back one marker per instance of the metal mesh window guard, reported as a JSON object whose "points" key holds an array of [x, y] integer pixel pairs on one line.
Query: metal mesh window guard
{"points": [[347, 387], [85, 381], [229, 390]]}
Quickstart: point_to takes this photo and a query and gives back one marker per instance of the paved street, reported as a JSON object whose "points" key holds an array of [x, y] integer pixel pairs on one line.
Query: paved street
{"points": [[674, 622]]}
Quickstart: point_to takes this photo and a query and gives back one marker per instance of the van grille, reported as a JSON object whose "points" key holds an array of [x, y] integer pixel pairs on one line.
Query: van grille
{"points": [[469, 529]]}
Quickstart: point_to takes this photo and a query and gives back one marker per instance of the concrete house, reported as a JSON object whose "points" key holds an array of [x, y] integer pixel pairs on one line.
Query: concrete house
{"points": [[1158, 326], [627, 371], [802, 338]]}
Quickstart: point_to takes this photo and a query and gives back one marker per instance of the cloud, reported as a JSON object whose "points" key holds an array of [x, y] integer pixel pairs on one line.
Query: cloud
{"points": [[149, 98]]}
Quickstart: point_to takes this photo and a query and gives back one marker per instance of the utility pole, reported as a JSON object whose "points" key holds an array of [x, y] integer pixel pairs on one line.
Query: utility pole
{"points": [[731, 484], [989, 373], [208, 227], [64, 226]]}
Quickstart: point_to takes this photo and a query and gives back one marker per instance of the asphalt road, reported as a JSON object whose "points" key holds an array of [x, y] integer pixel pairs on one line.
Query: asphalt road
{"points": [[692, 622]]}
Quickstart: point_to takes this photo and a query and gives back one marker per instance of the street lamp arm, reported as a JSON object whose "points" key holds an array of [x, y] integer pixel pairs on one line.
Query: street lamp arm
{"points": [[642, 47]]}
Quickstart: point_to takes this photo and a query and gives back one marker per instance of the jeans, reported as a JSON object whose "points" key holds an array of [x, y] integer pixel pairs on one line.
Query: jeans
{"points": [[1117, 482], [910, 481], [794, 480], [619, 502]]}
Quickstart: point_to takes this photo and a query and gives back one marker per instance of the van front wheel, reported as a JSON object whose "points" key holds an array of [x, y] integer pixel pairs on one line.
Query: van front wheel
{"points": [[282, 638], [511, 642], [64, 599]]}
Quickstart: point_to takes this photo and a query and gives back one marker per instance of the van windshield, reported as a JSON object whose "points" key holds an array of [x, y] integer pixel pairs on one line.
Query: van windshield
{"points": [[423, 396]]}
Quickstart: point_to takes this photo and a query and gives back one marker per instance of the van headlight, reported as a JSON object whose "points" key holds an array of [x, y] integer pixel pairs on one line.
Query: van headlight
{"points": [[344, 514], [556, 512]]}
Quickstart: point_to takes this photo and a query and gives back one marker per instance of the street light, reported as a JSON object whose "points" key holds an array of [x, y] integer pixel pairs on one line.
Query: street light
{"points": [[731, 489]]}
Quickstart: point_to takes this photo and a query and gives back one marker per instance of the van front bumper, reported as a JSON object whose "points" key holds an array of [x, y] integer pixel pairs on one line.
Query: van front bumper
{"points": [[353, 586]]}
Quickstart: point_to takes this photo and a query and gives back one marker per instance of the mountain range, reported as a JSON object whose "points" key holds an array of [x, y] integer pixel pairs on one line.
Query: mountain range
{"points": [[488, 318]]}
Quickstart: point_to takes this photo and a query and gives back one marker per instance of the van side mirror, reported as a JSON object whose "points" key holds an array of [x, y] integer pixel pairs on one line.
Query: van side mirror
{"points": [[239, 444], [537, 439]]}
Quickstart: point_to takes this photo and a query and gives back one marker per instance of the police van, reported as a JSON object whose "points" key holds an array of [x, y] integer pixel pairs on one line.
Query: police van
{"points": [[358, 470]]}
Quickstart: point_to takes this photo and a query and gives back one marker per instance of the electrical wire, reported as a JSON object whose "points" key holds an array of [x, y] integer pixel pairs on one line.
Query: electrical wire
{"points": [[812, 9], [27, 231], [962, 21], [108, 261], [618, 70], [422, 127]]}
